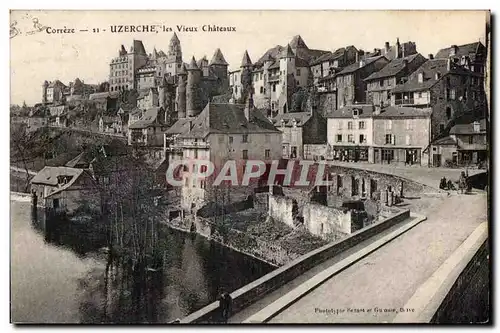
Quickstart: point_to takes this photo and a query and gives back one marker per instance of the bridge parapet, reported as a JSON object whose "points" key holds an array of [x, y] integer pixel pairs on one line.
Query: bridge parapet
{"points": [[257, 289]]}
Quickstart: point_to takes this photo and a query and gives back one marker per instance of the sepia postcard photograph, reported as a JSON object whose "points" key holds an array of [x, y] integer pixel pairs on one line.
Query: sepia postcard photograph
{"points": [[250, 167]]}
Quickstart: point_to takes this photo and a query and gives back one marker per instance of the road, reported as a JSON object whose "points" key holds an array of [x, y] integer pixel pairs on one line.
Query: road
{"points": [[388, 277]]}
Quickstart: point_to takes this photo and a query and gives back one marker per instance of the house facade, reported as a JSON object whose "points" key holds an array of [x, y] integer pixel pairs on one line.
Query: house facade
{"points": [[63, 189]]}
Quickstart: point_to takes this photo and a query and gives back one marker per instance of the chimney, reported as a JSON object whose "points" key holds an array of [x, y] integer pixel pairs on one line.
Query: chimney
{"points": [[453, 50], [387, 46], [376, 110], [477, 126], [448, 64], [361, 63], [431, 56], [248, 106], [405, 63]]}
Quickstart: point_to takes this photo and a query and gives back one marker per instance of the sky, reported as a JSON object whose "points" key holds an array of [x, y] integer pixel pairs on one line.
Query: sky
{"points": [[40, 56]]}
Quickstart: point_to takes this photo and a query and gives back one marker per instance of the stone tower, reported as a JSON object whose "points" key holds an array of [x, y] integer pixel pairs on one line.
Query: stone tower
{"points": [[181, 92], [219, 66], [287, 67], [45, 85], [161, 93], [174, 48], [246, 77], [193, 95]]}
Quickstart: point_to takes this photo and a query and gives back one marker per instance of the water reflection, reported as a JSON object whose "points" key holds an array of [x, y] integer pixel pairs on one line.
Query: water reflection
{"points": [[191, 274]]}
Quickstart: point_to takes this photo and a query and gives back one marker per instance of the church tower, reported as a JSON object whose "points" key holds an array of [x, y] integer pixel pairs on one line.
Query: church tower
{"points": [[174, 48]]}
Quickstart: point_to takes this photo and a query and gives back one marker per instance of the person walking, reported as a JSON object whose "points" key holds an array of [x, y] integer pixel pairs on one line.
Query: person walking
{"points": [[225, 304], [462, 182]]}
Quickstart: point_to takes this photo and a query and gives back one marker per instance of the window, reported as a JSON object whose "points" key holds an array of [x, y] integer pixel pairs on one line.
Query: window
{"points": [[298, 71], [441, 128], [381, 83], [420, 95], [235, 89], [448, 81], [407, 139], [244, 138], [339, 137], [452, 94], [388, 125], [350, 138], [339, 124], [349, 125], [448, 113], [388, 139], [409, 124], [361, 138], [471, 139], [420, 77], [202, 184], [245, 154], [230, 139], [261, 90], [267, 153], [274, 87], [361, 125]]}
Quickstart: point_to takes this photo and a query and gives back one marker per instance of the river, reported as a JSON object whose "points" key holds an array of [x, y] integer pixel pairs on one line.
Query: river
{"points": [[62, 276]]}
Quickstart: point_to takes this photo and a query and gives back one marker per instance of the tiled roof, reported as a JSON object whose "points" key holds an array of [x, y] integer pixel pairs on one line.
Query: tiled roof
{"points": [[297, 42], [463, 50], [347, 111], [403, 112], [228, 118], [329, 56], [288, 119], [193, 65], [179, 127], [103, 95], [49, 175], [446, 141], [150, 118], [218, 58], [275, 64], [354, 67], [270, 54], [469, 128], [429, 69], [299, 62], [287, 52], [392, 68]]}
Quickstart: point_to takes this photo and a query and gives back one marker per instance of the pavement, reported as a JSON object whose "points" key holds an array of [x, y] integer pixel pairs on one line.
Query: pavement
{"points": [[369, 290], [420, 174]]}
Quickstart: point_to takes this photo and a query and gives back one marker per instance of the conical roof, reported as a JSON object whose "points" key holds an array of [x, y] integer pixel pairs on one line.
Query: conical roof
{"points": [[183, 70], [287, 52], [218, 59], [297, 42], [246, 60], [174, 38], [193, 65]]}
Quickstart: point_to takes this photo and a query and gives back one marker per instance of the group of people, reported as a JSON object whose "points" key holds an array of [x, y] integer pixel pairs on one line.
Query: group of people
{"points": [[463, 184]]}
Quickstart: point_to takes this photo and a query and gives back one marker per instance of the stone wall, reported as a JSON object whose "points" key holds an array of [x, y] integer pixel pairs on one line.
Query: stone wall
{"points": [[281, 209], [327, 102], [323, 221], [261, 287]]}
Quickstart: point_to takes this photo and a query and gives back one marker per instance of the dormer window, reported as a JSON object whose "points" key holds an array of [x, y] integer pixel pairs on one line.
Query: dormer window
{"points": [[420, 77]]}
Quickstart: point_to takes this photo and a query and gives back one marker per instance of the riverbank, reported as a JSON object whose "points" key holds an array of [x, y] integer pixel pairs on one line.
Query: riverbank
{"points": [[253, 235]]}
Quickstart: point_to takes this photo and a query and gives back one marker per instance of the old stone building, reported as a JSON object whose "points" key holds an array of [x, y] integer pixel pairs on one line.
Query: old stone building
{"points": [[276, 75], [472, 55], [123, 68], [450, 89], [350, 133], [53, 92], [401, 135], [399, 50], [351, 87], [222, 133], [379, 84], [466, 145]]}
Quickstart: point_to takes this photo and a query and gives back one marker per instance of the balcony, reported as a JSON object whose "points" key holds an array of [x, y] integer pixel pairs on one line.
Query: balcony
{"points": [[193, 144], [273, 78], [405, 101]]}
